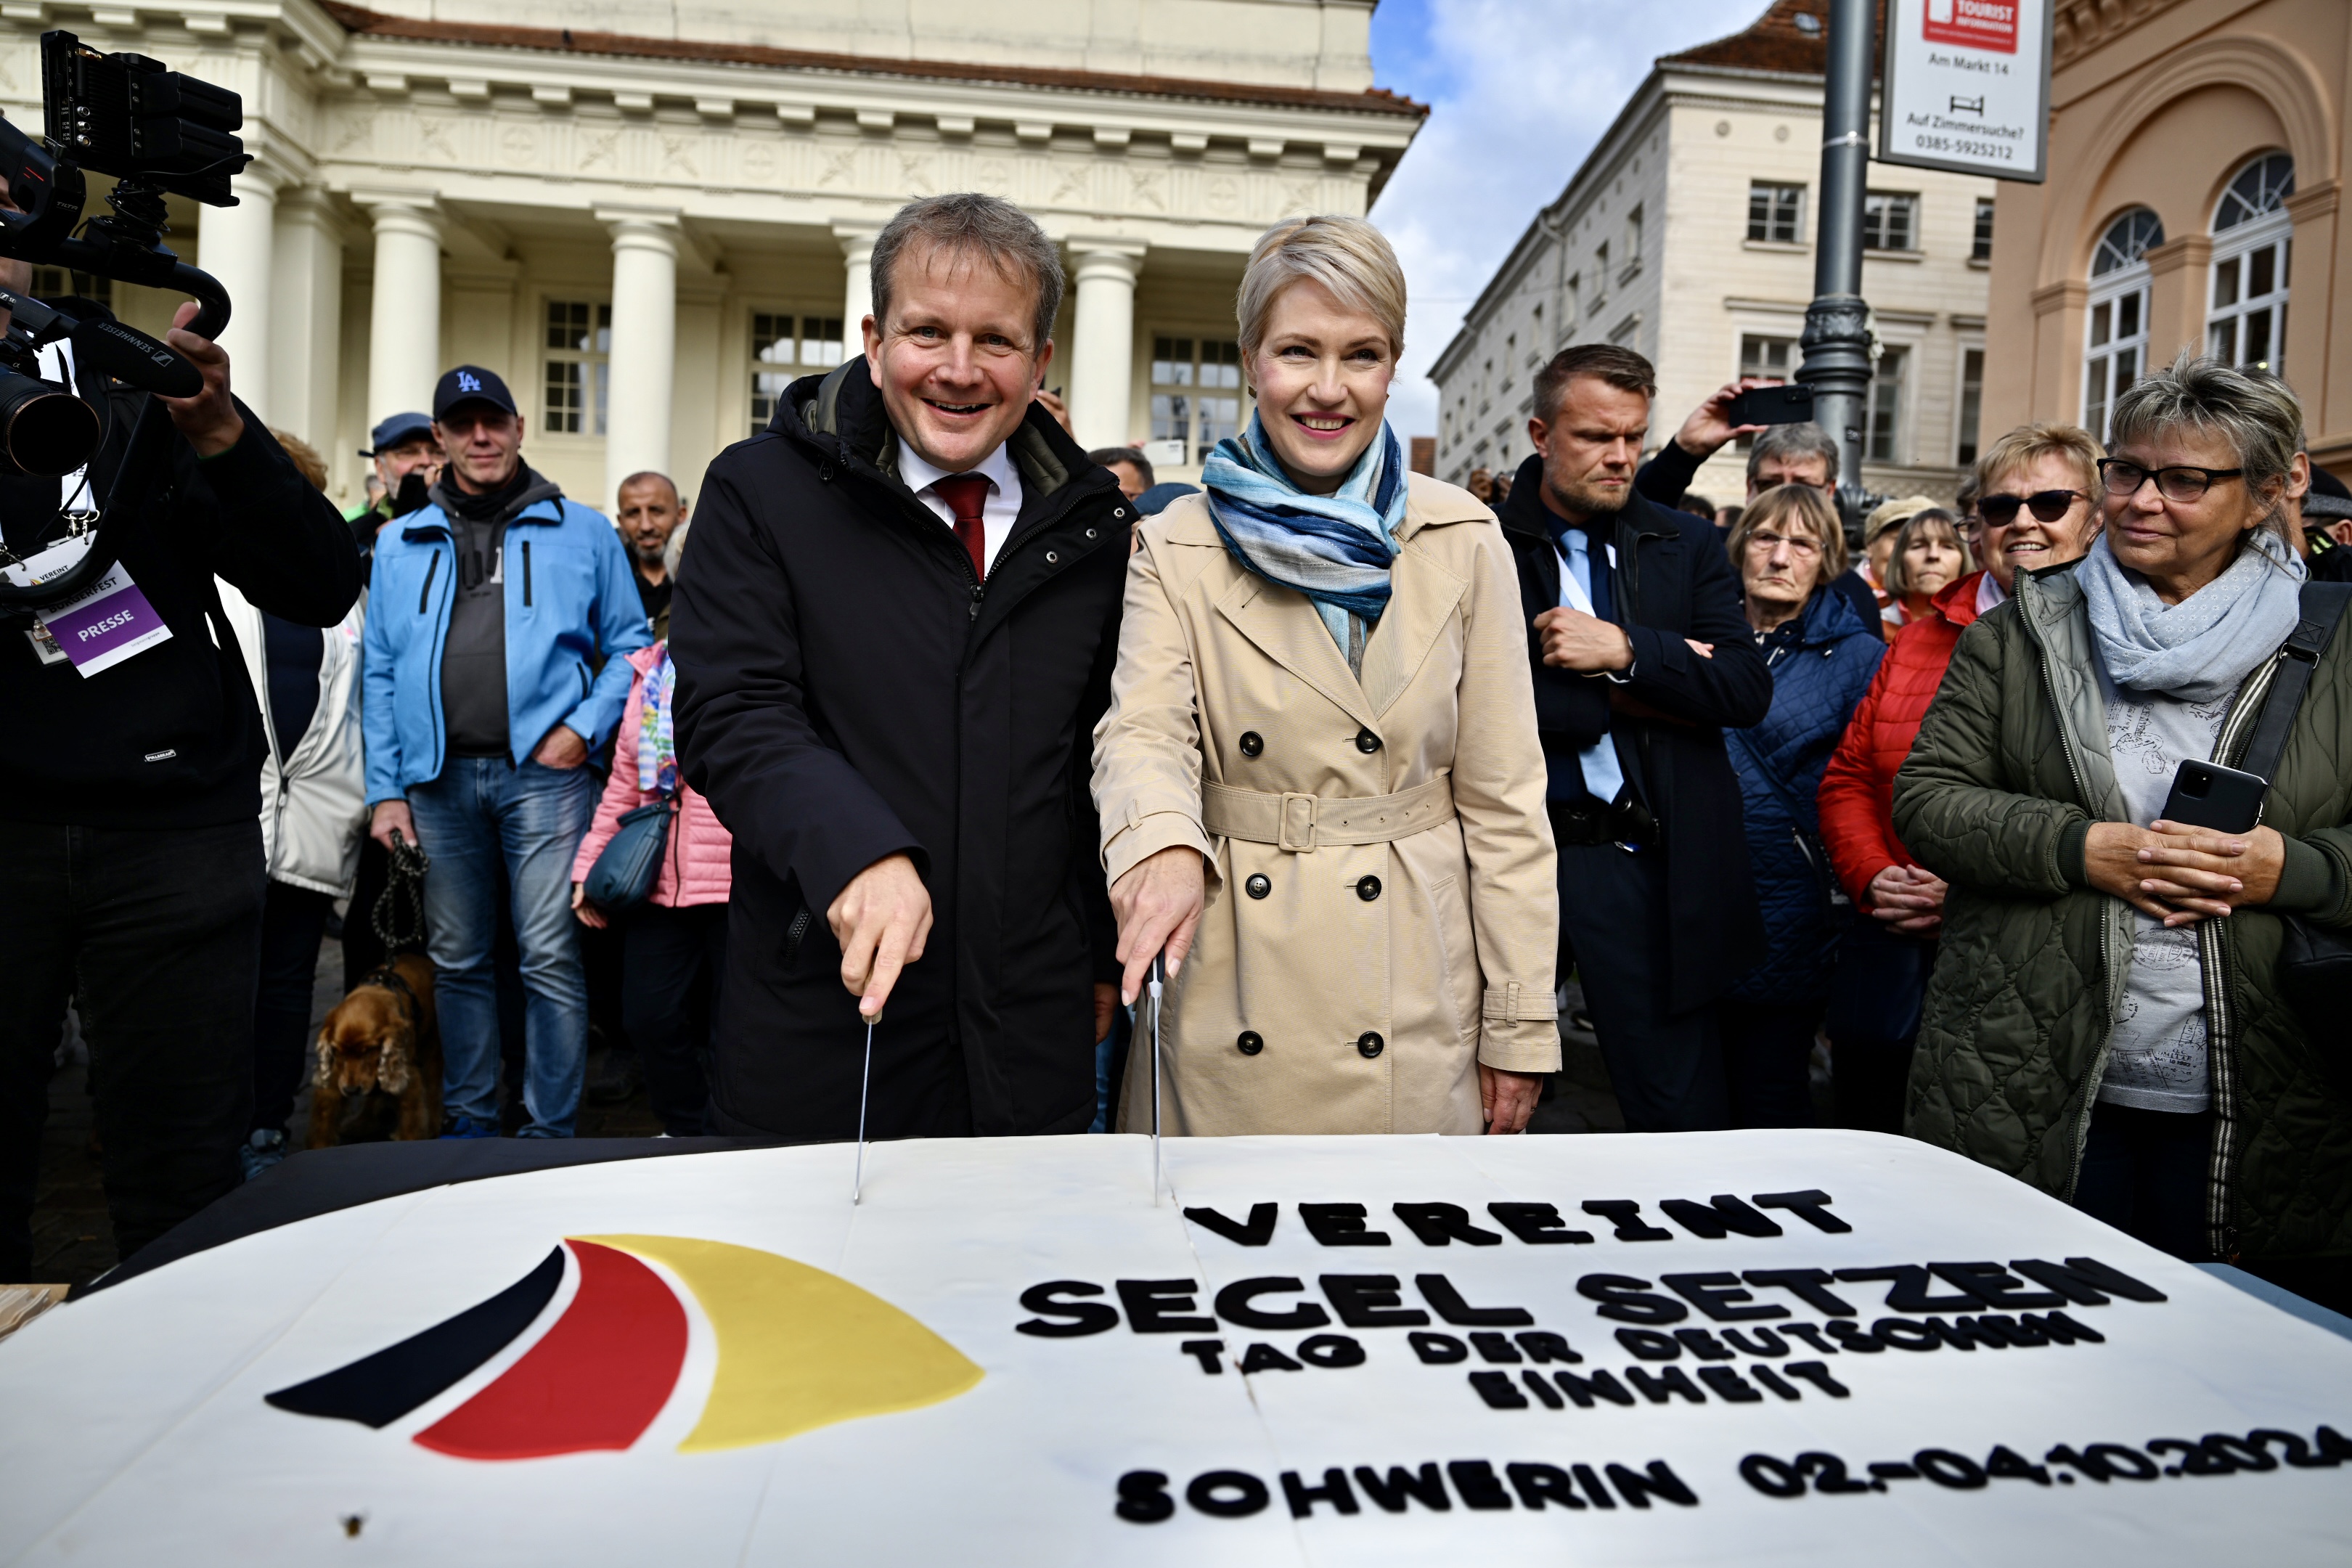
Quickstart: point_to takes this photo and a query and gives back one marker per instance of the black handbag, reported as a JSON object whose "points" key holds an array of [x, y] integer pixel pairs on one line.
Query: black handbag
{"points": [[629, 867], [2315, 967]]}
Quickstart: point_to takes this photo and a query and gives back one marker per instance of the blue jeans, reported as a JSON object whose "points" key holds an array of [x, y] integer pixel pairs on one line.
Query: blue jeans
{"points": [[485, 817]]}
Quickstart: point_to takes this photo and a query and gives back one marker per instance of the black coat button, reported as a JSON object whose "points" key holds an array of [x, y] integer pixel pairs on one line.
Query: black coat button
{"points": [[1257, 887], [1368, 888], [1250, 1044], [1369, 1045], [1252, 743], [1367, 742]]}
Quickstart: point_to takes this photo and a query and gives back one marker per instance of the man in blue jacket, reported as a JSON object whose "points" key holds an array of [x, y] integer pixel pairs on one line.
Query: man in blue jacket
{"points": [[496, 618]]}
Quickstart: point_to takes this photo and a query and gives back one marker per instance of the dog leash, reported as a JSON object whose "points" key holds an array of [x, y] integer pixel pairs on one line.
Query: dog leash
{"points": [[405, 882]]}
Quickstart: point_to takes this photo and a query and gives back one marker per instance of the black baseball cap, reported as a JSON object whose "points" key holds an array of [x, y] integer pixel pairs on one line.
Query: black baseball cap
{"points": [[471, 383], [2329, 497]]}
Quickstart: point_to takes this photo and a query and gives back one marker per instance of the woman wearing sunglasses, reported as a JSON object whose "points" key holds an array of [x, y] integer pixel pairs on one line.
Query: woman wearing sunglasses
{"points": [[1882, 973], [2105, 1020]]}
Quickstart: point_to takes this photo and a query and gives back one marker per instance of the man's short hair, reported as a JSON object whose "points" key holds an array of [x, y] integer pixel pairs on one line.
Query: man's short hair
{"points": [[640, 477], [1793, 444], [968, 224], [2029, 444], [1619, 367], [1131, 456]]}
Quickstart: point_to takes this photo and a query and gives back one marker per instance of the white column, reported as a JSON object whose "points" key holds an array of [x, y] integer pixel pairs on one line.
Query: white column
{"points": [[405, 314], [857, 298], [309, 274], [644, 360], [236, 246], [1102, 357]]}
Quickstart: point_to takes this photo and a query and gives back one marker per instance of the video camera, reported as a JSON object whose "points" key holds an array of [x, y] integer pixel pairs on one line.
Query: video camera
{"points": [[158, 133]]}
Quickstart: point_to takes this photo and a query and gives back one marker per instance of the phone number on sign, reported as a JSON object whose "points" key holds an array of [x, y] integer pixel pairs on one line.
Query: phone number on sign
{"points": [[1964, 147], [2215, 1453]]}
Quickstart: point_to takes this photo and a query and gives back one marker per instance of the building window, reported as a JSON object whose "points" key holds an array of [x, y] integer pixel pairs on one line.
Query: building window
{"points": [[1633, 240], [56, 283], [579, 339], [1775, 212], [1981, 250], [2115, 350], [786, 346], [1510, 358], [1196, 396], [1971, 404], [1881, 437], [1890, 221], [2245, 320], [1600, 273]]}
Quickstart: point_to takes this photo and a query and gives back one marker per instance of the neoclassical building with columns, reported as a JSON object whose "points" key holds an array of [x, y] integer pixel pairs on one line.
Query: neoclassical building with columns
{"points": [[652, 215]]}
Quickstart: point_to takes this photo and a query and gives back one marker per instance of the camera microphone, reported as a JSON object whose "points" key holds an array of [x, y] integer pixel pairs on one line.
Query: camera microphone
{"points": [[130, 355]]}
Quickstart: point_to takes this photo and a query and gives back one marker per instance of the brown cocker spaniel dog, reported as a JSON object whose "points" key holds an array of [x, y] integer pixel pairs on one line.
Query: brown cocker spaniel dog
{"points": [[379, 1044]]}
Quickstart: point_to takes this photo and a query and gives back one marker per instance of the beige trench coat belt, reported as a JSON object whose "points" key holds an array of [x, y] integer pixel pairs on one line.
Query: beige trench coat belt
{"points": [[1297, 822]]}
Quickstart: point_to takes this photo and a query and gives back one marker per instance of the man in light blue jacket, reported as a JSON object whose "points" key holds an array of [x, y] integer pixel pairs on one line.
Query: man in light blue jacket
{"points": [[496, 622]]}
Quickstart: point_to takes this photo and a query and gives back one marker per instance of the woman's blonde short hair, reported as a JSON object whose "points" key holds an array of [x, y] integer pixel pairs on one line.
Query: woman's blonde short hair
{"points": [[1346, 255], [1781, 505], [2029, 444]]}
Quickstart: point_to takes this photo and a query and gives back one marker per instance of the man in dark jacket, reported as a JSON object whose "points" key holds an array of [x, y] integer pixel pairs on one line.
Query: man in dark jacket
{"points": [[1642, 657], [891, 653], [132, 882]]}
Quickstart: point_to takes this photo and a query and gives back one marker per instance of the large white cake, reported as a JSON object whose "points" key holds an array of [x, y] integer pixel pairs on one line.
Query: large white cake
{"points": [[1815, 1347]]}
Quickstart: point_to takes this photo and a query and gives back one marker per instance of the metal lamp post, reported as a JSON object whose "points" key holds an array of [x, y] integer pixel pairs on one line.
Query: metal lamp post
{"points": [[1837, 323]]}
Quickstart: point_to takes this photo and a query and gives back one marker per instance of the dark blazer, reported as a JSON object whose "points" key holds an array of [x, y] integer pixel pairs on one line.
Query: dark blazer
{"points": [[847, 690], [1671, 582]]}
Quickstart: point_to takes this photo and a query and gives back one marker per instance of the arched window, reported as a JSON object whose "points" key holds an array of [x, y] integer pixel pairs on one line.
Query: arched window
{"points": [[2115, 352], [2245, 317]]}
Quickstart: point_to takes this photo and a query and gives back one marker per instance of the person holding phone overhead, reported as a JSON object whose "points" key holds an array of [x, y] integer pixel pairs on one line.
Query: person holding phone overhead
{"points": [[1320, 757], [2104, 1019]]}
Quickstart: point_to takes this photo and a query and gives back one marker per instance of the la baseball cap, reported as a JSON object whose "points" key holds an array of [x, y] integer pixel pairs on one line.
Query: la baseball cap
{"points": [[471, 383], [390, 433]]}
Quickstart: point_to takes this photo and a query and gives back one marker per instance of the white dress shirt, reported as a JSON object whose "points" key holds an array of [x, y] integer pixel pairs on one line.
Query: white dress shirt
{"points": [[996, 517]]}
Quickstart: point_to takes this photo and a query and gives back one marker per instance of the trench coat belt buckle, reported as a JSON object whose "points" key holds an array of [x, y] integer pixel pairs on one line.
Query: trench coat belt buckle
{"points": [[1296, 823]]}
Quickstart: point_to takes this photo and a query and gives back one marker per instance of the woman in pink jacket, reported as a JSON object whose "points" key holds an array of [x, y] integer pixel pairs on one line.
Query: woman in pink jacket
{"points": [[674, 945]]}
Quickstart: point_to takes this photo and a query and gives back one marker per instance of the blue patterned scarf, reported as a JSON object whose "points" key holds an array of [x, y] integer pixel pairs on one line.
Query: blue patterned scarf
{"points": [[1336, 548], [657, 747]]}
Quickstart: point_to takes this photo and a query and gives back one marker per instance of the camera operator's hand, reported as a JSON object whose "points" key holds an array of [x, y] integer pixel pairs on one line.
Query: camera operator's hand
{"points": [[209, 419], [390, 816]]}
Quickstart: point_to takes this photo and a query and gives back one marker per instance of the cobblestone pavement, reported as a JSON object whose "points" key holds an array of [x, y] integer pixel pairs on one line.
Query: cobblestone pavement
{"points": [[74, 1243]]}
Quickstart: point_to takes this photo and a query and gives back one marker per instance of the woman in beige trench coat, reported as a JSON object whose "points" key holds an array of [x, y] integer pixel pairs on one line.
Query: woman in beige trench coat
{"points": [[1332, 822]]}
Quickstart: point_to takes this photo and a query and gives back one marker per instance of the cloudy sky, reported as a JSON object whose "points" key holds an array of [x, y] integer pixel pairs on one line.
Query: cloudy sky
{"points": [[1520, 91]]}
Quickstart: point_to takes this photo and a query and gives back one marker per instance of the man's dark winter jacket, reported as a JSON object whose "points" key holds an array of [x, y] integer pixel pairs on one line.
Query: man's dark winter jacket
{"points": [[1822, 663], [847, 690], [172, 737], [1670, 582]]}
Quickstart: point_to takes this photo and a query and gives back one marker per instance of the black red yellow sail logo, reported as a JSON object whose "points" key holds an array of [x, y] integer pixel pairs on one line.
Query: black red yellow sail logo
{"points": [[798, 1349]]}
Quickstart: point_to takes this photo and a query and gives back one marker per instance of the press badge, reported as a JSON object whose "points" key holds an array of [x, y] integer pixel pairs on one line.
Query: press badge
{"points": [[99, 628]]}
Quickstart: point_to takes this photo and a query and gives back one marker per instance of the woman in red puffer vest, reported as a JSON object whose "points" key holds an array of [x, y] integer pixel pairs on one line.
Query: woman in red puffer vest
{"points": [[674, 945]]}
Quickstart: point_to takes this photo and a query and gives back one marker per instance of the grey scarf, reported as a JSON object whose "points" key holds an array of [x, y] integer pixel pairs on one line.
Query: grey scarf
{"points": [[2202, 649]]}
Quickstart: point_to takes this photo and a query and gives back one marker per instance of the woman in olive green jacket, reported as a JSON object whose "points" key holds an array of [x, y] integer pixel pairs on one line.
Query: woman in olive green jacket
{"points": [[2064, 891]]}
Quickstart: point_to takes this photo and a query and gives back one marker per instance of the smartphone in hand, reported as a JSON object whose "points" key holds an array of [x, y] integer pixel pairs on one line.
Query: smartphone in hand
{"points": [[2207, 794], [1790, 402]]}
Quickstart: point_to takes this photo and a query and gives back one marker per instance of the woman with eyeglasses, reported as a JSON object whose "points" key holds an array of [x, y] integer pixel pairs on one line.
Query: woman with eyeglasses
{"points": [[2105, 1019], [1882, 977], [1786, 548]]}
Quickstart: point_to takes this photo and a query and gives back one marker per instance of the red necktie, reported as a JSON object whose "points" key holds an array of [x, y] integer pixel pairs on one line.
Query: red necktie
{"points": [[966, 495]]}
